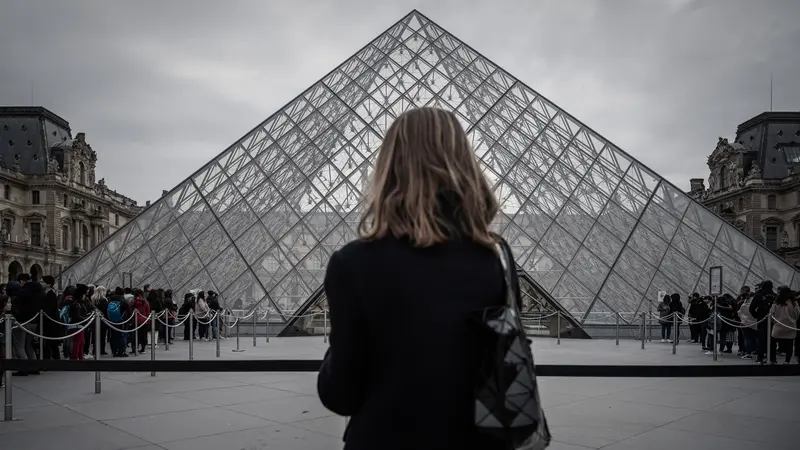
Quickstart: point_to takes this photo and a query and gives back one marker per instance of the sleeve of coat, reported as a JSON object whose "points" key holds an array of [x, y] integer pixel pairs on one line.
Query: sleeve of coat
{"points": [[342, 377]]}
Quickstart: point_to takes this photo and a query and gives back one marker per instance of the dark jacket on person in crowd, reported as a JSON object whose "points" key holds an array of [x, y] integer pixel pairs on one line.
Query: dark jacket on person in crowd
{"points": [[124, 307], [762, 301], [28, 302], [675, 304], [373, 370], [213, 301], [50, 307], [699, 310]]}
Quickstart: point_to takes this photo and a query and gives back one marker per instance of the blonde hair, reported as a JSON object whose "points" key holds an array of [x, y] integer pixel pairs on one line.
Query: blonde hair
{"points": [[99, 292], [427, 184]]}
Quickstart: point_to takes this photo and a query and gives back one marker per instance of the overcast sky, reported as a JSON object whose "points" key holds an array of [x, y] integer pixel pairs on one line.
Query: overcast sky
{"points": [[161, 87]]}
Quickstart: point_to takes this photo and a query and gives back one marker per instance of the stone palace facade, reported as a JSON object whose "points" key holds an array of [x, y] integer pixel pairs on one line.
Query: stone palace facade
{"points": [[53, 210]]}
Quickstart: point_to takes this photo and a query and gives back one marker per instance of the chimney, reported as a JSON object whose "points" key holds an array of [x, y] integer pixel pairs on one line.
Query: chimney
{"points": [[147, 204], [697, 185], [163, 193]]}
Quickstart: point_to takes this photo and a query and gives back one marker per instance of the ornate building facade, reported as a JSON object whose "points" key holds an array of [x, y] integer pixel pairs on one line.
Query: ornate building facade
{"points": [[53, 210], [755, 181]]}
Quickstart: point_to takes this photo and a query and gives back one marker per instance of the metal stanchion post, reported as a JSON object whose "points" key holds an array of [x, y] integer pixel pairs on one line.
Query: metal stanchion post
{"points": [[643, 330], [267, 327], [558, 327], [9, 406], [650, 326], [768, 358], [325, 325], [41, 332], [191, 335], [237, 350], [617, 330], [714, 338], [153, 340], [135, 333], [97, 326], [255, 320], [219, 332], [166, 330], [675, 325]]}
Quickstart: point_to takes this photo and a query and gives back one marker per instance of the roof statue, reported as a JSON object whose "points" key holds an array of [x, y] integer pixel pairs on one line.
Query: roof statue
{"points": [[595, 228]]}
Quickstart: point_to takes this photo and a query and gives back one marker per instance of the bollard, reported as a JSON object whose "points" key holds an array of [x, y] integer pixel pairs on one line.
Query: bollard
{"points": [[135, 333], [153, 340], [650, 326], [219, 332], [768, 358], [9, 409], [643, 330], [558, 327], [675, 335], [714, 338], [191, 335], [237, 350], [166, 330], [97, 326], [325, 325], [617, 314], [267, 329], [255, 320], [41, 332]]}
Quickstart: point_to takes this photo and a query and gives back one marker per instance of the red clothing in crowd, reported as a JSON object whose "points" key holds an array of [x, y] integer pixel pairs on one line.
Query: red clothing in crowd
{"points": [[143, 308]]}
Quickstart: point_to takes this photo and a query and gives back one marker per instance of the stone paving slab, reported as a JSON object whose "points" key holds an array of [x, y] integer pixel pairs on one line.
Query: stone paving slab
{"points": [[199, 411]]}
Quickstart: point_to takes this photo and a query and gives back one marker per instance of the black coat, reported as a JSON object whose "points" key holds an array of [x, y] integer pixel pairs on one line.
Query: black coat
{"points": [[50, 307], [401, 360], [28, 302]]}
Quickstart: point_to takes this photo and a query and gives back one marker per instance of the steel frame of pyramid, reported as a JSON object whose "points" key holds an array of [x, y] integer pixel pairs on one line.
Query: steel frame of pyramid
{"points": [[597, 229]]}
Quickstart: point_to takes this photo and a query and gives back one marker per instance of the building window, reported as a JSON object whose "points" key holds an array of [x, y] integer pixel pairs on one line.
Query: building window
{"points": [[36, 234], [66, 200], [85, 238], [7, 226], [116, 219], [7, 192], [772, 202], [771, 238], [35, 197], [723, 176], [65, 237], [741, 204]]}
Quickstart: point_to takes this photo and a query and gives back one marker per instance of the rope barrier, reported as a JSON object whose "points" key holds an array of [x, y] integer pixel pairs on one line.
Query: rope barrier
{"points": [[25, 323], [78, 331], [784, 325]]}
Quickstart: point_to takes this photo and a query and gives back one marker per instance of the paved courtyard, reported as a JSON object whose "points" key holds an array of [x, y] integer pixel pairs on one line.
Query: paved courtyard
{"points": [[199, 411]]}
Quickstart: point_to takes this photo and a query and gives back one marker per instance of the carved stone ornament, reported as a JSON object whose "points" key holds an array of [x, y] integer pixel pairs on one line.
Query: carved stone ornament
{"points": [[52, 165], [26, 236], [785, 240], [755, 171], [46, 239], [15, 166]]}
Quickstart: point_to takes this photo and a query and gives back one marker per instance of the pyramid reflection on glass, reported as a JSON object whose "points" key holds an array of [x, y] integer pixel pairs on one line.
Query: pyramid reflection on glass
{"points": [[593, 226]]}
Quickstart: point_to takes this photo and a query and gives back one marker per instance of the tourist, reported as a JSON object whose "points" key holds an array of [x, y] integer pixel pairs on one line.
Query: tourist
{"points": [[202, 310], [156, 306], [425, 265], [100, 303], [141, 309], [26, 304], [52, 330], [785, 313], [216, 308], [694, 325], [118, 311], [676, 307], [759, 309], [187, 308], [79, 308], [665, 319], [749, 328]]}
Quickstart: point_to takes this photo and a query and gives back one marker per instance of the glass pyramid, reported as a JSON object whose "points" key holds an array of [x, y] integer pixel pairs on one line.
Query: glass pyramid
{"points": [[597, 229]]}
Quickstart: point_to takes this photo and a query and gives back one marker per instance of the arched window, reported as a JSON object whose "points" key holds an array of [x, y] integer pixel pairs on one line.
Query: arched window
{"points": [[82, 169], [723, 176], [7, 192], [85, 238], [772, 202]]}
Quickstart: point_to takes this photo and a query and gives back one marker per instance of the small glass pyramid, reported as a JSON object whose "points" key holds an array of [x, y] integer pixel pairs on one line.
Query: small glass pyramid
{"points": [[594, 227]]}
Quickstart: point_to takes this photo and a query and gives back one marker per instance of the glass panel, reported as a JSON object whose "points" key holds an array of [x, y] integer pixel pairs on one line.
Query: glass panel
{"points": [[617, 220], [736, 243], [589, 270], [181, 267], [290, 293], [600, 314], [139, 264], [521, 244], [239, 218], [312, 267], [770, 267], [543, 268], [733, 273], [245, 293], [226, 267], [254, 242], [603, 244], [573, 296], [509, 199], [658, 220], [575, 221], [621, 297], [691, 244], [532, 220], [548, 199], [630, 199], [642, 179], [210, 243], [680, 269], [634, 269], [589, 198], [703, 221], [280, 220], [671, 200], [562, 178], [523, 178], [198, 219], [560, 244], [271, 267], [168, 242], [647, 244]]}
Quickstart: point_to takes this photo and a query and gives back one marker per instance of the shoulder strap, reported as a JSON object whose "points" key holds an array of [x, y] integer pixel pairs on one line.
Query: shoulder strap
{"points": [[513, 299]]}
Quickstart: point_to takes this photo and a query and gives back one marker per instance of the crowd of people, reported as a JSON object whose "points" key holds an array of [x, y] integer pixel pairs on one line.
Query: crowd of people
{"points": [[67, 314], [742, 320]]}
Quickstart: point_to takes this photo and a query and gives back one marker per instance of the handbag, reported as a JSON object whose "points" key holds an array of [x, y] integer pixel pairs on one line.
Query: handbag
{"points": [[507, 404]]}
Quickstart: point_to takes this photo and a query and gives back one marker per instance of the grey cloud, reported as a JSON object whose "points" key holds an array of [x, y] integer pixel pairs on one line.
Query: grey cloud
{"points": [[162, 87]]}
